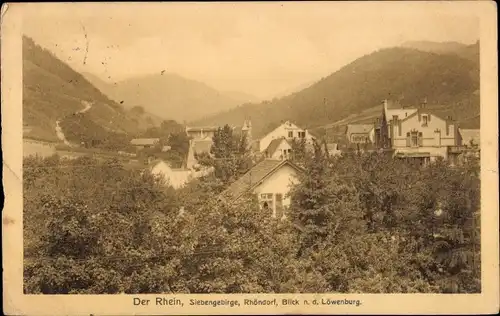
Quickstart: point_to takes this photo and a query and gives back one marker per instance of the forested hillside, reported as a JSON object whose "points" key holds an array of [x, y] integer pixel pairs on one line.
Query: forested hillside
{"points": [[470, 52], [406, 75], [53, 91]]}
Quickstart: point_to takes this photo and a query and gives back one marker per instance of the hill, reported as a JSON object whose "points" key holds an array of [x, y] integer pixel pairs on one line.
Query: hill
{"points": [[470, 52], [53, 91], [170, 96], [404, 74]]}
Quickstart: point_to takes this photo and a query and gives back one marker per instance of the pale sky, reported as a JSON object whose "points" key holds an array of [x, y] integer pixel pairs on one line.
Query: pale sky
{"points": [[257, 48]]}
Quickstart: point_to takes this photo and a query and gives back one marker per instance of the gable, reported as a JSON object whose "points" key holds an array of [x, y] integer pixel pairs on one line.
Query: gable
{"points": [[279, 181], [276, 144], [256, 176], [359, 129], [415, 120]]}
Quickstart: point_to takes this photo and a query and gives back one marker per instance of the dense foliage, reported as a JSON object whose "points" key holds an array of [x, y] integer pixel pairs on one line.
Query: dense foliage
{"points": [[81, 130], [172, 135], [229, 155], [357, 223]]}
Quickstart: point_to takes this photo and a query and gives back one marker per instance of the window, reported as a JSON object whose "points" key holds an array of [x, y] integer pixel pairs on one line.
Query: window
{"points": [[302, 134], [290, 134], [286, 153], [424, 118], [266, 202], [414, 139]]}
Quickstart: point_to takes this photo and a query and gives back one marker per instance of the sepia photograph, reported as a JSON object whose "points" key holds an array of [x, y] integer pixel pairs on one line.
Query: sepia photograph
{"points": [[252, 148]]}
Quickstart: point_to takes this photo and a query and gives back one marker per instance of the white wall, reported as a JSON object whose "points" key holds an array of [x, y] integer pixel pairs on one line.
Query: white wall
{"points": [[280, 182], [201, 134], [280, 132], [428, 132], [177, 178], [280, 152]]}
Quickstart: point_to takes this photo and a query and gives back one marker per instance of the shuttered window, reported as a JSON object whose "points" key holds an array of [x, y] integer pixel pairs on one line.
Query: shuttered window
{"points": [[415, 139]]}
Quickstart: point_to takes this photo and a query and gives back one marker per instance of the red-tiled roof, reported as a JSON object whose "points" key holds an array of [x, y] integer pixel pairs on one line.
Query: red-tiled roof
{"points": [[255, 176]]}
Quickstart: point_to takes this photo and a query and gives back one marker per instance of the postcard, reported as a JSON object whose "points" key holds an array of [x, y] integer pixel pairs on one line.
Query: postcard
{"points": [[250, 158]]}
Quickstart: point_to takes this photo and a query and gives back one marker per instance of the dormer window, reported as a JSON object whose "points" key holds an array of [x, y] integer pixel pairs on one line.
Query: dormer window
{"points": [[425, 120]]}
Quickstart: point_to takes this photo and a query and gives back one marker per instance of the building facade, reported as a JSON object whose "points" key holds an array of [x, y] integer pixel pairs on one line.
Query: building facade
{"points": [[278, 149], [271, 181], [205, 132], [416, 133], [176, 178], [288, 131], [360, 133]]}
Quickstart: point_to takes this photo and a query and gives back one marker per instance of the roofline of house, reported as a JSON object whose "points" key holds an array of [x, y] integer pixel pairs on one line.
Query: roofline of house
{"points": [[285, 161], [206, 128], [419, 111]]}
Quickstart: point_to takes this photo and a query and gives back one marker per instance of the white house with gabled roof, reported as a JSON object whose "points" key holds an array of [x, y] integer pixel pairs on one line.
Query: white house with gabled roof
{"points": [[286, 130], [271, 180]]}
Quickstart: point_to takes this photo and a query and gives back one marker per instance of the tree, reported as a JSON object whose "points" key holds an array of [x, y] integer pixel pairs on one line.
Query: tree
{"points": [[240, 249], [229, 155], [299, 153], [359, 223], [105, 229], [320, 201]]}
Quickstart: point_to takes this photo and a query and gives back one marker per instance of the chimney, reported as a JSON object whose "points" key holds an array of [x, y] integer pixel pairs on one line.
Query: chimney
{"points": [[423, 105]]}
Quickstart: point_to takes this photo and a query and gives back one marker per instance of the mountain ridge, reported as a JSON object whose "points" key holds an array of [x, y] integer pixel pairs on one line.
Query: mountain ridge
{"points": [[53, 91], [170, 95], [405, 74]]}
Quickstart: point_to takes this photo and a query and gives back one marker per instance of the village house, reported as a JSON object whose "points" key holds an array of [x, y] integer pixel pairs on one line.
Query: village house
{"points": [[468, 144], [201, 140], [469, 138], [286, 130], [271, 180], [204, 132], [415, 133], [197, 147], [360, 133], [177, 178], [278, 148], [142, 143]]}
